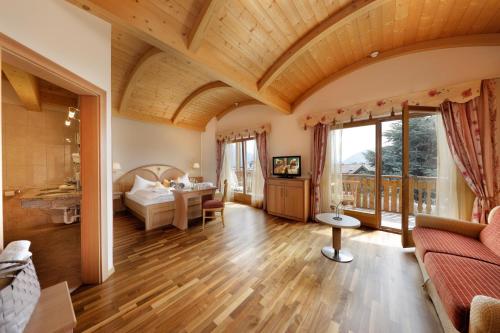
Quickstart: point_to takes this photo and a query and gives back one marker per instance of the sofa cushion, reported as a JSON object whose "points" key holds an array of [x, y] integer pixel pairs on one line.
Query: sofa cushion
{"points": [[457, 280], [434, 240], [490, 235]]}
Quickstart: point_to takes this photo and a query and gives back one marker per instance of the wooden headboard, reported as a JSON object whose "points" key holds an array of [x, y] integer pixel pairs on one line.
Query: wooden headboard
{"points": [[153, 172]]}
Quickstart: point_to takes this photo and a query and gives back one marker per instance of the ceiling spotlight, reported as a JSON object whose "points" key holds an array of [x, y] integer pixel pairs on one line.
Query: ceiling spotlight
{"points": [[374, 54], [67, 122]]}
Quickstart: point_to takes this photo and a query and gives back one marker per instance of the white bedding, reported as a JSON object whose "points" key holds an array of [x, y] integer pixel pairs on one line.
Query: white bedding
{"points": [[148, 197], [157, 194]]}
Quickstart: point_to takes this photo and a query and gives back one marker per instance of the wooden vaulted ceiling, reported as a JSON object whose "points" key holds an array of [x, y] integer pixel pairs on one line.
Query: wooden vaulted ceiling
{"points": [[182, 62]]}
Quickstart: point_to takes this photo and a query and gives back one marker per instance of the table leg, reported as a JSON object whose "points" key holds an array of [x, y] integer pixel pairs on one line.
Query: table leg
{"points": [[335, 252]]}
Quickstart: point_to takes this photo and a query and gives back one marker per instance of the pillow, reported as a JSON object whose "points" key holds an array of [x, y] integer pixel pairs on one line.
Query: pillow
{"points": [[141, 184], [185, 180]]}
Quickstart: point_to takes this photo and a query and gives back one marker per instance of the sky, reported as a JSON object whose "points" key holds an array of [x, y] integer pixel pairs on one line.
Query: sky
{"points": [[357, 139]]}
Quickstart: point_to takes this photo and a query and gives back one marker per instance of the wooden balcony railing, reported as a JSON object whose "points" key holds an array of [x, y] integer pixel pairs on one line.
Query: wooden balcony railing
{"points": [[363, 188]]}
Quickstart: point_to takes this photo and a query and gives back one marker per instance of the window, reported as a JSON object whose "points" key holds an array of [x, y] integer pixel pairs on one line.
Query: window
{"points": [[242, 158]]}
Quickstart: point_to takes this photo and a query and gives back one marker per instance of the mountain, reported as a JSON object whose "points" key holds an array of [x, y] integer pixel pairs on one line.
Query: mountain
{"points": [[356, 158]]}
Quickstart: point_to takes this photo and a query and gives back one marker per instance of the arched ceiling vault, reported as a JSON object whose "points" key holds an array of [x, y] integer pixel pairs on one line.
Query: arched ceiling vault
{"points": [[276, 53]]}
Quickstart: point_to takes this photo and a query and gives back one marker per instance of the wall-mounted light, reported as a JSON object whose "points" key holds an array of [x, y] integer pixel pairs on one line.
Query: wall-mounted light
{"points": [[67, 122], [72, 112], [68, 140], [116, 166], [196, 165], [374, 54]]}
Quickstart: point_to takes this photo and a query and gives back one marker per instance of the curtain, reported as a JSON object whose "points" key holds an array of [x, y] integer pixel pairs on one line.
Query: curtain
{"points": [[331, 180], [446, 184], [220, 148], [263, 162], [257, 182], [227, 172], [471, 129], [320, 140]]}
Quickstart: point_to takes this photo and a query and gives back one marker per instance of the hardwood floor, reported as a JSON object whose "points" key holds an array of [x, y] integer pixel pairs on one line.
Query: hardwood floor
{"points": [[56, 252], [259, 273]]}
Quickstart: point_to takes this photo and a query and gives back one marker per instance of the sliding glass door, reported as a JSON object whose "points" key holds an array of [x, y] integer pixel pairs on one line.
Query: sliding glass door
{"points": [[242, 158], [359, 168], [429, 172]]}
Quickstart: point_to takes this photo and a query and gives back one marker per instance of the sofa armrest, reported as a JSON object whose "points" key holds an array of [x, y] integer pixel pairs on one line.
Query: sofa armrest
{"points": [[484, 315], [464, 228]]}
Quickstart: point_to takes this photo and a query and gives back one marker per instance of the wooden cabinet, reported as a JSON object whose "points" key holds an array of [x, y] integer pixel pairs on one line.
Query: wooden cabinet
{"points": [[288, 198]]}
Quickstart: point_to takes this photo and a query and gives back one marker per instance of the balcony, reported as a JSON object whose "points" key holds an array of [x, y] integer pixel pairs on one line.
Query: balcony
{"points": [[362, 188]]}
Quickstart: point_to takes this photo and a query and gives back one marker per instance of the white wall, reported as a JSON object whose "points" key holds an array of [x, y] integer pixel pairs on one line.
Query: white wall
{"points": [[138, 143], [81, 43], [393, 77]]}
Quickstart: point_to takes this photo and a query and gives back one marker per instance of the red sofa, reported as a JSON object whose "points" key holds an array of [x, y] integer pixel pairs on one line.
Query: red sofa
{"points": [[460, 261]]}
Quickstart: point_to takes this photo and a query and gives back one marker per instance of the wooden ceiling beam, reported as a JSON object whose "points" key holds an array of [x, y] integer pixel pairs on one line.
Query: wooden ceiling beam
{"points": [[199, 91], [235, 106], [25, 86], [320, 31], [436, 44], [200, 27], [145, 21], [135, 75]]}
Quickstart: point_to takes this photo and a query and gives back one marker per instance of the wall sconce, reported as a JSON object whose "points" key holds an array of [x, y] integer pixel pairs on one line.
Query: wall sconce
{"points": [[116, 167], [196, 165], [67, 123]]}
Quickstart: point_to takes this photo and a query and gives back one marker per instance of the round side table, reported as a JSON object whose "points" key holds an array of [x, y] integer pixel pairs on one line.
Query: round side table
{"points": [[335, 252]]}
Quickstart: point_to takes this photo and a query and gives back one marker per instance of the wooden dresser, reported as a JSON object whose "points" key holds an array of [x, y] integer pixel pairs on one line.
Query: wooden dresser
{"points": [[288, 198]]}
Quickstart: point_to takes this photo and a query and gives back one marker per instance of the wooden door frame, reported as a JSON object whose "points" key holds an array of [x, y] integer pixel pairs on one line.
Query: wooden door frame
{"points": [[23, 57], [406, 233]]}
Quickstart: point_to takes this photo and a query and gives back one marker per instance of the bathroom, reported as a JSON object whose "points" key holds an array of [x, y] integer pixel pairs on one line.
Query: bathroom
{"points": [[41, 173]]}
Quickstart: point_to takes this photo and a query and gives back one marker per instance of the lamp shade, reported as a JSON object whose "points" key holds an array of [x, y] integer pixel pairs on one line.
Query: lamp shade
{"points": [[116, 166], [196, 165]]}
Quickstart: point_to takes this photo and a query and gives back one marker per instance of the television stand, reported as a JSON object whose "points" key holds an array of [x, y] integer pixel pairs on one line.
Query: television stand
{"points": [[288, 197]]}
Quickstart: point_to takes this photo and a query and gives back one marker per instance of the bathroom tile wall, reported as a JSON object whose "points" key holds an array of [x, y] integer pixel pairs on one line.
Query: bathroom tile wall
{"points": [[35, 155]]}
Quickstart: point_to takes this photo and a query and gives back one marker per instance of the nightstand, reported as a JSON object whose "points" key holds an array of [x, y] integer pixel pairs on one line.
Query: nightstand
{"points": [[118, 205]]}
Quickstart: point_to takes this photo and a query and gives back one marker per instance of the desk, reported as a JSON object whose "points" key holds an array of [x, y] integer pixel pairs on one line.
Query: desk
{"points": [[181, 203]]}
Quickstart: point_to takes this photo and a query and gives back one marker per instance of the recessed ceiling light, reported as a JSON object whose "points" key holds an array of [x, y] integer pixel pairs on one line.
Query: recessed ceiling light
{"points": [[374, 54]]}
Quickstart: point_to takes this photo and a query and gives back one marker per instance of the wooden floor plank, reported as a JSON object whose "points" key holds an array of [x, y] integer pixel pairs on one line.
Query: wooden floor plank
{"points": [[258, 274]]}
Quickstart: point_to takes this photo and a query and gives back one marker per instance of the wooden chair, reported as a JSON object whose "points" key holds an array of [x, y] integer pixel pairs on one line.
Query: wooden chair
{"points": [[214, 206], [350, 192]]}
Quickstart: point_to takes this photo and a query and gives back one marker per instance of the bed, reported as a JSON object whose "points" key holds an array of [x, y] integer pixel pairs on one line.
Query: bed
{"points": [[154, 210]]}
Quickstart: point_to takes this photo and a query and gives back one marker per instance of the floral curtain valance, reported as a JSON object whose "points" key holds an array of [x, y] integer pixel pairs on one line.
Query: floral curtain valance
{"points": [[243, 133], [459, 93]]}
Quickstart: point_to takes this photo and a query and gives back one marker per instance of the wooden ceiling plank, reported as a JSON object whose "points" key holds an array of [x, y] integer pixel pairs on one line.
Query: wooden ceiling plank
{"points": [[194, 94], [319, 32], [25, 85], [136, 73], [144, 21], [443, 43], [205, 17]]}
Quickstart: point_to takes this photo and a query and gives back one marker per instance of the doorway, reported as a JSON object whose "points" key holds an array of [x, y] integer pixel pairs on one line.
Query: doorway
{"points": [[375, 154], [92, 102]]}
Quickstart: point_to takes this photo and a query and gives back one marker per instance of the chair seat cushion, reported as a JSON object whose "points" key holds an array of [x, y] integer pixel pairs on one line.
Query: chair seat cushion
{"points": [[457, 280], [213, 204], [432, 240]]}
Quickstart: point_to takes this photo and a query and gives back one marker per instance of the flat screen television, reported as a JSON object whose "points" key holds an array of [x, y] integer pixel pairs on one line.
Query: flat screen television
{"points": [[286, 166]]}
